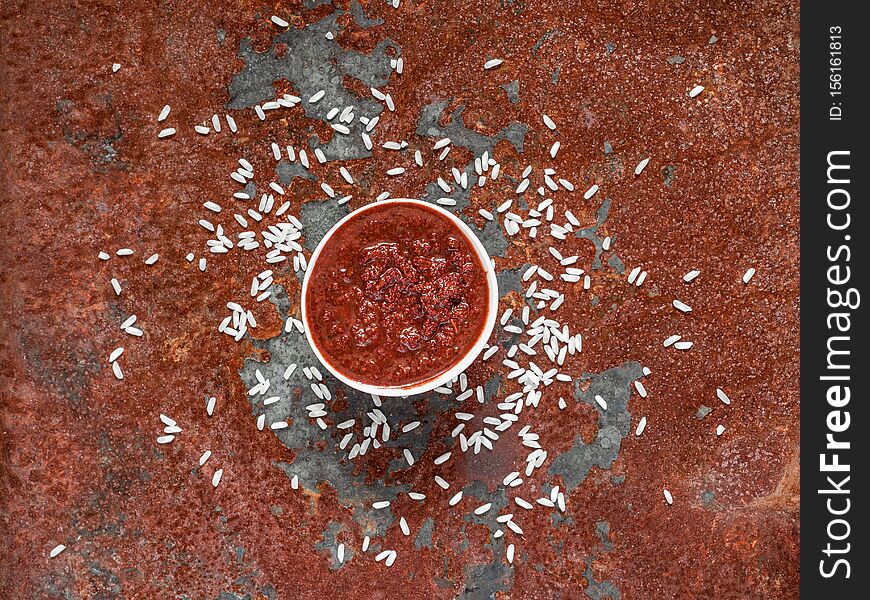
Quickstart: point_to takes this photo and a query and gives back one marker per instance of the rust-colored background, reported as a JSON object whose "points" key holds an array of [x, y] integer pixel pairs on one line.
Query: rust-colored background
{"points": [[83, 171]]}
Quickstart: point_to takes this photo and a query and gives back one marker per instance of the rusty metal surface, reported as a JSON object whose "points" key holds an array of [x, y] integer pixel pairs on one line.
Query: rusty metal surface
{"points": [[83, 171]]}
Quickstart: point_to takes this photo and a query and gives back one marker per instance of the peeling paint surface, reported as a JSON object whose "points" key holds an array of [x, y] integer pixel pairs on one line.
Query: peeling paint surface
{"points": [[85, 172]]}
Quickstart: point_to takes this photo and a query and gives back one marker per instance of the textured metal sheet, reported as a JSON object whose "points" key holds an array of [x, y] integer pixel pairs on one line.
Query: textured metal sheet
{"points": [[83, 171]]}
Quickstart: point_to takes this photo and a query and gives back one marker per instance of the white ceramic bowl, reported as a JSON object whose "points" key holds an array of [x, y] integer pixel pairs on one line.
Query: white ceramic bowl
{"points": [[466, 360]]}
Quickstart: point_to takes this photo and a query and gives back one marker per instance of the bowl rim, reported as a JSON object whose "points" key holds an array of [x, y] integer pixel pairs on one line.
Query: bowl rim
{"points": [[467, 359]]}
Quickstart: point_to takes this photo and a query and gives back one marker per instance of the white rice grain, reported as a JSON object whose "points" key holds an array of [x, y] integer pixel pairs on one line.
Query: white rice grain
{"points": [[640, 426], [691, 275], [682, 306], [483, 508], [641, 166], [549, 122]]}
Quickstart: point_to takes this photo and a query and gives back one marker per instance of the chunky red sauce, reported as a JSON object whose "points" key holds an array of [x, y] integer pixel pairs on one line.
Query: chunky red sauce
{"points": [[397, 296]]}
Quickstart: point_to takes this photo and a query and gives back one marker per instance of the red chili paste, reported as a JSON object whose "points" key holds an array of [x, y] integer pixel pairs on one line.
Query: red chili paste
{"points": [[397, 296]]}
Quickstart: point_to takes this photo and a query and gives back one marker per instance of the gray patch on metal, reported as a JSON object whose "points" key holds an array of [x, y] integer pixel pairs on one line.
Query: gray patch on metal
{"points": [[616, 264], [416, 440], [561, 519], [498, 499], [614, 385], [316, 463], [492, 387], [318, 218], [360, 17], [313, 63], [329, 544], [708, 497], [510, 280], [460, 135], [492, 237], [309, 4], [311, 464], [512, 90], [428, 124], [599, 590], [591, 234], [602, 530], [604, 589], [544, 38], [288, 171], [250, 189], [703, 411], [483, 582], [424, 536]]}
